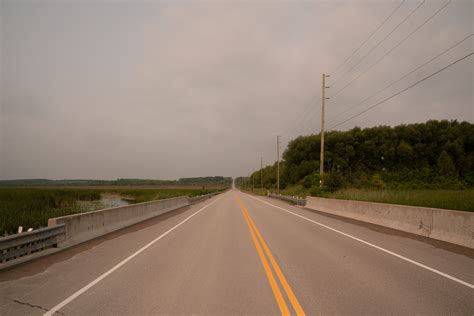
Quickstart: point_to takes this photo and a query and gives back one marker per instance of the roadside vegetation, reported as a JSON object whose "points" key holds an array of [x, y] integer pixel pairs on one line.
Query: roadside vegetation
{"points": [[32, 207], [427, 164], [462, 200]]}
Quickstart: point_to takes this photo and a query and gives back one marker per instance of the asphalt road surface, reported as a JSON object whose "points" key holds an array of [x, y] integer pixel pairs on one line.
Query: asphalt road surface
{"points": [[242, 254]]}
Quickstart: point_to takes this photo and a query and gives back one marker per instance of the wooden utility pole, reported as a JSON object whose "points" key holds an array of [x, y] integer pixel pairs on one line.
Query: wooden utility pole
{"points": [[261, 172], [253, 180], [321, 155], [278, 164]]}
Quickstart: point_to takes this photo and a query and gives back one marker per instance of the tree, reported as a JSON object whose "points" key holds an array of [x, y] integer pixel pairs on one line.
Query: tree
{"points": [[409, 156], [377, 182], [405, 153], [446, 166], [333, 181]]}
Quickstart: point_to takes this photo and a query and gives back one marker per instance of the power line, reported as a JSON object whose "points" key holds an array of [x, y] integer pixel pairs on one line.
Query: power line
{"points": [[401, 91], [393, 48], [301, 118], [379, 60], [404, 76], [368, 38], [388, 35], [303, 121], [306, 122]]}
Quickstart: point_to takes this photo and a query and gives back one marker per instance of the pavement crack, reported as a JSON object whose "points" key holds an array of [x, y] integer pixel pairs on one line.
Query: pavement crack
{"points": [[35, 306]]}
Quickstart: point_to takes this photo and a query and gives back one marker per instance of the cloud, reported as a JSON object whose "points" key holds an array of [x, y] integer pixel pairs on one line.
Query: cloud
{"points": [[175, 89]]}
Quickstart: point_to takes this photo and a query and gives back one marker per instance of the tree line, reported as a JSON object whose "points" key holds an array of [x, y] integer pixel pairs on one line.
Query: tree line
{"points": [[435, 154], [196, 181]]}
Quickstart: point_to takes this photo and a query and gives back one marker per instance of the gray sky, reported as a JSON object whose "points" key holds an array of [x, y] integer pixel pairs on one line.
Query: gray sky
{"points": [[169, 89]]}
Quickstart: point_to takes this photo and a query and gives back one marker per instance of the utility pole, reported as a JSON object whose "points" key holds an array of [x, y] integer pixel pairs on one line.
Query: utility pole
{"points": [[278, 164], [321, 156], [253, 180], [261, 172]]}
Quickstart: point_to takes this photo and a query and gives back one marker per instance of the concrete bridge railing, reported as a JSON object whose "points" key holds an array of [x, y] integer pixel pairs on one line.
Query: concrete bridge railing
{"points": [[451, 226], [86, 226], [199, 198], [455, 227], [66, 231], [292, 199]]}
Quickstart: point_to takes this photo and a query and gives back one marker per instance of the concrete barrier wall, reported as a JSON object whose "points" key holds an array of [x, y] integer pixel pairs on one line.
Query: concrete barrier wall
{"points": [[199, 198], [451, 226], [454, 227], [86, 226], [291, 199]]}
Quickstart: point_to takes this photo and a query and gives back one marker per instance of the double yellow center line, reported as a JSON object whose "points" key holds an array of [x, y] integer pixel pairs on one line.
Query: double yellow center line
{"points": [[260, 243]]}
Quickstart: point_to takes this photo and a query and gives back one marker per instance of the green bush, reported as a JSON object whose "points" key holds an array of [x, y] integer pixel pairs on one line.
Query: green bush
{"points": [[296, 190], [333, 181], [311, 180], [376, 182], [316, 191]]}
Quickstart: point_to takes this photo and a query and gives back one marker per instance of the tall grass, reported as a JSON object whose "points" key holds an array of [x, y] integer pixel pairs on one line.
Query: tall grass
{"points": [[145, 195], [258, 191], [32, 207], [462, 200]]}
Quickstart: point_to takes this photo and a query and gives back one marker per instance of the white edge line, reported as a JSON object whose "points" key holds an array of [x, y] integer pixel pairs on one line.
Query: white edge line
{"points": [[104, 275], [371, 245]]}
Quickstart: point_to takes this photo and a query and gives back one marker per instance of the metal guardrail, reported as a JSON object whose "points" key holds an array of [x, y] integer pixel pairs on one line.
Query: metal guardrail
{"points": [[18, 245], [198, 198], [291, 199]]}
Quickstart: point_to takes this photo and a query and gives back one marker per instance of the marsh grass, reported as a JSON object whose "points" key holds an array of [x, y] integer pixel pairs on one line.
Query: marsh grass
{"points": [[32, 207]]}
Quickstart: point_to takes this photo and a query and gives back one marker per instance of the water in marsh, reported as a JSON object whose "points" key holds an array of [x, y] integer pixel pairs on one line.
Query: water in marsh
{"points": [[106, 201]]}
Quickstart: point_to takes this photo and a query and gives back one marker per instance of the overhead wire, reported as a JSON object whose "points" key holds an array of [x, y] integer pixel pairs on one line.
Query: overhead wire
{"points": [[304, 117], [393, 48], [308, 122], [387, 36], [403, 90], [368, 38], [403, 77]]}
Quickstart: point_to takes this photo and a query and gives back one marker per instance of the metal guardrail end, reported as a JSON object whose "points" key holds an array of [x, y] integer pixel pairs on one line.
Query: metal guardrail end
{"points": [[20, 245]]}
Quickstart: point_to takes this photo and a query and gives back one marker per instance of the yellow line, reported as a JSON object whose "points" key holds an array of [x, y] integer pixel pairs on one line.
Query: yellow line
{"points": [[271, 279], [289, 292]]}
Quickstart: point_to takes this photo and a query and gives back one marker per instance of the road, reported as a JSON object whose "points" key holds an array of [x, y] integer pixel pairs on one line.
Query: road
{"points": [[242, 254]]}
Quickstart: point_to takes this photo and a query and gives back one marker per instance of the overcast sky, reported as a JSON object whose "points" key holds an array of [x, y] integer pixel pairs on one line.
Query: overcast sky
{"points": [[168, 89]]}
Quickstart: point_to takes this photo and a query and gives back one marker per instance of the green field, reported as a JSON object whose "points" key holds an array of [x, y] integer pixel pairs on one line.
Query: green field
{"points": [[32, 207]]}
